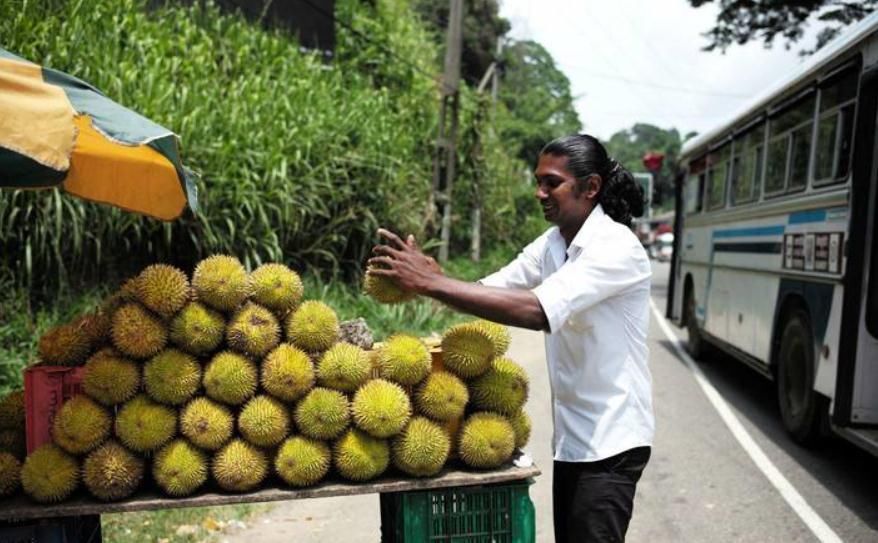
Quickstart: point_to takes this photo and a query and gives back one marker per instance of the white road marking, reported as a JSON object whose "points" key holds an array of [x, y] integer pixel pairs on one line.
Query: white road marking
{"points": [[795, 500]]}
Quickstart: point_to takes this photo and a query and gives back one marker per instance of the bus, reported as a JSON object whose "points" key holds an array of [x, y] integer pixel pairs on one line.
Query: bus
{"points": [[776, 240]]}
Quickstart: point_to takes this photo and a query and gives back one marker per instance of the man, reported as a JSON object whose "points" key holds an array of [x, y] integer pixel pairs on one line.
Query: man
{"points": [[585, 282]]}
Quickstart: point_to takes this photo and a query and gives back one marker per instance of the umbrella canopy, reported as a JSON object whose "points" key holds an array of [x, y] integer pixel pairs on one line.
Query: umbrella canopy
{"points": [[56, 130]]}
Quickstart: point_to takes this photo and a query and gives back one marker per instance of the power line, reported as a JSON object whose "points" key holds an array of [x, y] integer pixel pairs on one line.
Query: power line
{"points": [[654, 85]]}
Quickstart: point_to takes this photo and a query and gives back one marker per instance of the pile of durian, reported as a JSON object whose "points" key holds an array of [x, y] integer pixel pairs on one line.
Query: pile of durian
{"points": [[231, 381]]}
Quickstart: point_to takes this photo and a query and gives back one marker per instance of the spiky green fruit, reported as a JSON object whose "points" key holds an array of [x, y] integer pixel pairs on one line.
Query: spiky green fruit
{"points": [[313, 327], [144, 425], [521, 425], [172, 377], [111, 472], [323, 413], [422, 448], [276, 287], [384, 289], [344, 367], [239, 466], [49, 474], [253, 330], [138, 333], [64, 345], [499, 335], [486, 440], [198, 329], [13, 442], [10, 474], [12, 411], [81, 425], [359, 456], [442, 396], [179, 468], [110, 378], [163, 289], [96, 327], [221, 282], [264, 421], [503, 388], [467, 350], [404, 359], [230, 378], [381, 408], [302, 461], [287, 373], [206, 423]]}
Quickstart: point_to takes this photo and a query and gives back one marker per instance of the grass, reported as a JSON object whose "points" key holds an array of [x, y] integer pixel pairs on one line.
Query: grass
{"points": [[189, 524]]}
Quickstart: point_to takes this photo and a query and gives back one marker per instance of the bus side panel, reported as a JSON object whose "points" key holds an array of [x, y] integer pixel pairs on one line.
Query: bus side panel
{"points": [[752, 312], [827, 366]]}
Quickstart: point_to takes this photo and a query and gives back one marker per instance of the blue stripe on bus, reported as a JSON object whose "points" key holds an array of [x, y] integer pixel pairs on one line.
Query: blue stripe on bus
{"points": [[753, 231], [803, 217]]}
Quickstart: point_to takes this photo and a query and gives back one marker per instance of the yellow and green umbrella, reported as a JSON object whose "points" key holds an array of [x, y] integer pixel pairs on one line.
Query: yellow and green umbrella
{"points": [[56, 130]]}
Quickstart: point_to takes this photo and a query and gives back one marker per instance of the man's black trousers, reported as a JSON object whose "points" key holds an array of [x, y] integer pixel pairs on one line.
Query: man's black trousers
{"points": [[593, 501]]}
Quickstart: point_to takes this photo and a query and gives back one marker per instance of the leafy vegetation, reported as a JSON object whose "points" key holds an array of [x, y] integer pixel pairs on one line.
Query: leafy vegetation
{"points": [[194, 524]]}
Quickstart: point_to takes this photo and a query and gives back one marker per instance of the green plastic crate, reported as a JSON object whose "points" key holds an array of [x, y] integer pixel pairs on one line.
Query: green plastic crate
{"points": [[501, 513]]}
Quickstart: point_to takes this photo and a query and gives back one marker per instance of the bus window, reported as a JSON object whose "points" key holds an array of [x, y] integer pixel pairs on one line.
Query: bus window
{"points": [[694, 193], [716, 177], [835, 128], [789, 147], [747, 164]]}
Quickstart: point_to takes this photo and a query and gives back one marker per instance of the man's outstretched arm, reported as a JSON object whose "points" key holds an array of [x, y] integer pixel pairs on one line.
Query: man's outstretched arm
{"points": [[413, 270]]}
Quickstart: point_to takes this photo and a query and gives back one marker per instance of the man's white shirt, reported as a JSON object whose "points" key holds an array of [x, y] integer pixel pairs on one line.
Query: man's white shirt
{"points": [[595, 294]]}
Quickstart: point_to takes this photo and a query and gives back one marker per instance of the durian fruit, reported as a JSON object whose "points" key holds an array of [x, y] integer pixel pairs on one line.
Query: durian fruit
{"points": [[264, 421], [381, 408], [422, 448], [13, 442], [10, 474], [323, 413], [467, 350], [302, 461], [313, 327], [64, 345], [110, 378], [499, 335], [81, 425], [239, 466], [486, 440], [96, 327], [442, 396], [144, 425], [138, 333], [179, 468], [197, 329], [206, 423], [12, 411], [521, 425], [359, 456], [221, 282], [111, 472], [163, 289], [230, 378], [172, 377], [49, 474], [287, 373], [276, 287], [404, 359], [502, 389], [253, 330], [128, 290], [384, 289], [344, 367]]}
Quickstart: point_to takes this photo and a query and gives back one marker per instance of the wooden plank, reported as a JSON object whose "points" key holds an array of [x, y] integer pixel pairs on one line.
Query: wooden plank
{"points": [[23, 508]]}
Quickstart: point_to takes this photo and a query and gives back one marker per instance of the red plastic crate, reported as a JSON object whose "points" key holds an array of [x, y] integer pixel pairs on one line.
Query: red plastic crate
{"points": [[46, 388]]}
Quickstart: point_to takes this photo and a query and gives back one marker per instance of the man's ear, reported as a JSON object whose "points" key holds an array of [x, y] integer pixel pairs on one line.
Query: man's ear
{"points": [[593, 186]]}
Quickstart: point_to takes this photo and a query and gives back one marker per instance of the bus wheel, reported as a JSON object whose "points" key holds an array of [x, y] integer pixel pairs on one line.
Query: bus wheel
{"points": [[801, 407], [696, 344]]}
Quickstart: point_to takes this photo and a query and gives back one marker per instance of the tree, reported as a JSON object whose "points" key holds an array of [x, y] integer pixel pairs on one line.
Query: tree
{"points": [[741, 21]]}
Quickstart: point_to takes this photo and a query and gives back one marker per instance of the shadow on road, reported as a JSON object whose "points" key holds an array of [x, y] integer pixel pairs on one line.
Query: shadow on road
{"points": [[842, 468]]}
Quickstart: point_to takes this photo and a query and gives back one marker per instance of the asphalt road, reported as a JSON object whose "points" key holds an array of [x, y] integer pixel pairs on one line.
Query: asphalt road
{"points": [[700, 485]]}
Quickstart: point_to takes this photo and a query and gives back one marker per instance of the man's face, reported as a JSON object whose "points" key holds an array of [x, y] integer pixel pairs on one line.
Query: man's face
{"points": [[562, 201]]}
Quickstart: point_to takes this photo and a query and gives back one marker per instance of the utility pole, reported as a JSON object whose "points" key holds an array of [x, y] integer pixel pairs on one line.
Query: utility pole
{"points": [[492, 75], [445, 159]]}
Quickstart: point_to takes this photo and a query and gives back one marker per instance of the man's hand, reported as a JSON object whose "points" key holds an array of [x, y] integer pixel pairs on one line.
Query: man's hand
{"points": [[404, 262]]}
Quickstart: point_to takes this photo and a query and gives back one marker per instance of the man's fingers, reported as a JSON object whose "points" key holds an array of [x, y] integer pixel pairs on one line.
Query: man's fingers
{"points": [[385, 250], [412, 243], [392, 238], [381, 265]]}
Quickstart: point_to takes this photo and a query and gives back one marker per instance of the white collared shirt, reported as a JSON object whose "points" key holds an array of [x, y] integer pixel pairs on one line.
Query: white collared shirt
{"points": [[595, 295]]}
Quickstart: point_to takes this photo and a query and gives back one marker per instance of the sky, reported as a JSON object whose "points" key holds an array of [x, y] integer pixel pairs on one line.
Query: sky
{"points": [[632, 61]]}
